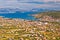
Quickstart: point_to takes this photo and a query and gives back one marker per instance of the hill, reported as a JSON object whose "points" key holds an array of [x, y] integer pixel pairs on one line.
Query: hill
{"points": [[48, 16], [55, 14]]}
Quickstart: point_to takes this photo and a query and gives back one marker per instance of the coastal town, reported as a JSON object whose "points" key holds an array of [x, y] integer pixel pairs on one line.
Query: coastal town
{"points": [[29, 19], [45, 28], [20, 29]]}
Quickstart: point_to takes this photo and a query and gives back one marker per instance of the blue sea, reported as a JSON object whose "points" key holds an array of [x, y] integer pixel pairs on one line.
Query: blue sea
{"points": [[26, 15], [19, 15]]}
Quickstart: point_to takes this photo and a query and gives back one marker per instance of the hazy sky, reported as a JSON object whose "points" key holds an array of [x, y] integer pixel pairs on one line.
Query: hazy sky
{"points": [[29, 4]]}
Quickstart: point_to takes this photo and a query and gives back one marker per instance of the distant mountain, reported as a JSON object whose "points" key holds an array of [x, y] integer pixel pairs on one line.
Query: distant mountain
{"points": [[8, 10], [12, 10]]}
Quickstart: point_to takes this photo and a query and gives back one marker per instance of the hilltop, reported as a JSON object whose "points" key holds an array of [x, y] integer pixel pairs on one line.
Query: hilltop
{"points": [[50, 15], [55, 14]]}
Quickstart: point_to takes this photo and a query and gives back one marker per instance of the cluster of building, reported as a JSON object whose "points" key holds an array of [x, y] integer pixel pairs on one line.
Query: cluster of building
{"points": [[19, 29]]}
